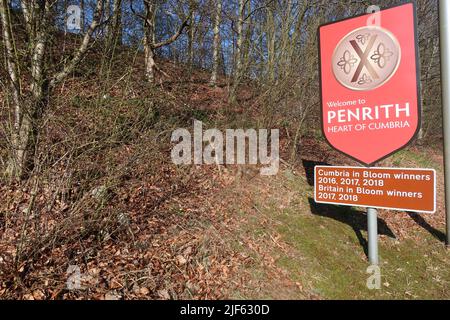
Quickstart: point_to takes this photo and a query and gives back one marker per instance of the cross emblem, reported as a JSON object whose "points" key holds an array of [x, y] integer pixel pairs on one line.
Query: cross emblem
{"points": [[364, 59]]}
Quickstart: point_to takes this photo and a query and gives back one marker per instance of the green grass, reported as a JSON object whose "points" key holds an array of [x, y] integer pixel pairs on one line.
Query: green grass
{"points": [[420, 159], [326, 256], [331, 260]]}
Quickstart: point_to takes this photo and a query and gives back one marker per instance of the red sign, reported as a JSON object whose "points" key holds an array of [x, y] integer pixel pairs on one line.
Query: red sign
{"points": [[370, 83]]}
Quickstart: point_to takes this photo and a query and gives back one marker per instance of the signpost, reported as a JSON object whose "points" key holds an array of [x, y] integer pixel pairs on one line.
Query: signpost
{"points": [[370, 101], [444, 17]]}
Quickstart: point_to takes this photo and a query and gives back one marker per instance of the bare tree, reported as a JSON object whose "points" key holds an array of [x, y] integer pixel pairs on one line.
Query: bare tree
{"points": [[115, 34], [216, 44], [237, 74], [191, 34], [29, 102], [149, 40]]}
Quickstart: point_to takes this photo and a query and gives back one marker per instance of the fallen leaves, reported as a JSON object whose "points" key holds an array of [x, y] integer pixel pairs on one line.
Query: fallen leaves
{"points": [[181, 260], [161, 242]]}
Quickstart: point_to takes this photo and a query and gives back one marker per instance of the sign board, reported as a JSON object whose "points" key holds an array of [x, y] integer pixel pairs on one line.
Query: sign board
{"points": [[386, 188], [370, 83]]}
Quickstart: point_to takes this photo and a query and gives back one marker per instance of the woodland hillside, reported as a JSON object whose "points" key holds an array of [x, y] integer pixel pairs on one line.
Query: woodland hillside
{"points": [[88, 186]]}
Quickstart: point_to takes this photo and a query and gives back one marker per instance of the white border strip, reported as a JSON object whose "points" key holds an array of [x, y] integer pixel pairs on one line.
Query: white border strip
{"points": [[382, 168]]}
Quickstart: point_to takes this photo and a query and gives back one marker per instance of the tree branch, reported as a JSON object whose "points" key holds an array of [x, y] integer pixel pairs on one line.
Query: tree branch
{"points": [[174, 37], [83, 47]]}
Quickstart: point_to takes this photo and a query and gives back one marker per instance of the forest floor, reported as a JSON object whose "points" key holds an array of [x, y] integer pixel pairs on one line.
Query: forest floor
{"points": [[113, 213], [301, 249]]}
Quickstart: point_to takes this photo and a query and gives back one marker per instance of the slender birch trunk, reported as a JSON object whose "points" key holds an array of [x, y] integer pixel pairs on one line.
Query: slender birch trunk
{"points": [[191, 37], [149, 40], [238, 55], [115, 35], [83, 16], [216, 44], [28, 107]]}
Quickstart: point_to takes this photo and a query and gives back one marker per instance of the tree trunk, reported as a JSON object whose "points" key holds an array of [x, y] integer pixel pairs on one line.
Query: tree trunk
{"points": [[286, 43], [26, 112], [216, 44], [29, 108], [271, 35], [149, 38], [149, 57], [83, 16], [238, 55], [240, 38], [191, 37], [116, 23], [107, 15]]}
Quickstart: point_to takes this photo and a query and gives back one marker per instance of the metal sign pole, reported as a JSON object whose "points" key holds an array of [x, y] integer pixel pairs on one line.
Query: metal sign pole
{"points": [[444, 18], [372, 235]]}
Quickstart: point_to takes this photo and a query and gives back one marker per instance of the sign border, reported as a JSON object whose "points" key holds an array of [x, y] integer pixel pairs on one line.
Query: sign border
{"points": [[419, 87], [369, 206]]}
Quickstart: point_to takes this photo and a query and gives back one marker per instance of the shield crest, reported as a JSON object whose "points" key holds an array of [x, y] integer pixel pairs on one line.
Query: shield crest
{"points": [[369, 77]]}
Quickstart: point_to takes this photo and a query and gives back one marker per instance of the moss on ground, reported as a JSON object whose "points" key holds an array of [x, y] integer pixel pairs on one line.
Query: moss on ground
{"points": [[326, 252]]}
